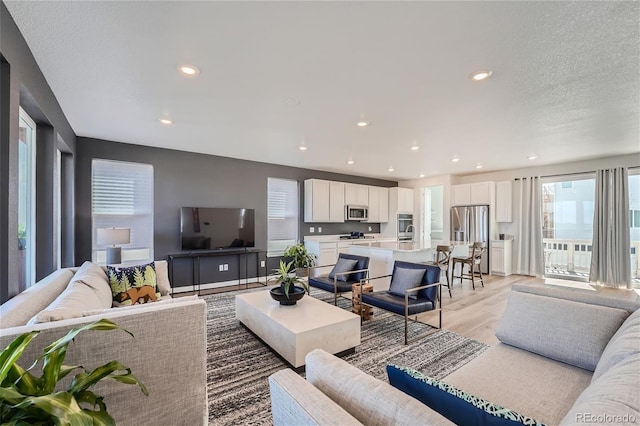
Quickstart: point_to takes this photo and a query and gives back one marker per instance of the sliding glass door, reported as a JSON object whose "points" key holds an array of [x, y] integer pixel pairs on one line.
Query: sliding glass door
{"points": [[567, 226], [634, 223]]}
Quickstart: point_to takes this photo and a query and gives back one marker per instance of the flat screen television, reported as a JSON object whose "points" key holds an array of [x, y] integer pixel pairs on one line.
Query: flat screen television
{"points": [[206, 228]]}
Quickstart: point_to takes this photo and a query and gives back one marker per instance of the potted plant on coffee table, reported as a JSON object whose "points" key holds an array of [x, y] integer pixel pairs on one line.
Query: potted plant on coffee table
{"points": [[288, 293], [301, 259]]}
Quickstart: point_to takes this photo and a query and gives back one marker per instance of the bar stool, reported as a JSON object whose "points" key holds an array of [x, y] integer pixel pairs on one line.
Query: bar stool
{"points": [[473, 261], [443, 258]]}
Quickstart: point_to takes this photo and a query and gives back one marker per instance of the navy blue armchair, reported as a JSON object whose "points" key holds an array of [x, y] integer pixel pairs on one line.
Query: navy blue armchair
{"points": [[410, 293], [341, 282]]}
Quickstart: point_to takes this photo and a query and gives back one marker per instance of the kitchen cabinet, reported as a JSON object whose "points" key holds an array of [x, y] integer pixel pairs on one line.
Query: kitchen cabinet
{"points": [[504, 201], [400, 200], [472, 194], [378, 204], [323, 201], [480, 193], [500, 256], [328, 254], [357, 195], [461, 195]]}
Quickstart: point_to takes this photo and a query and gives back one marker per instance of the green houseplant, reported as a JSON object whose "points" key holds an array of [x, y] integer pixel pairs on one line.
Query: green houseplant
{"points": [[287, 280], [29, 400], [22, 236], [301, 258]]}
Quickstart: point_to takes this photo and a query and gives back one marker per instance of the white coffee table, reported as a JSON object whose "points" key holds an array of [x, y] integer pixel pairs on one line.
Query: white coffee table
{"points": [[294, 331]]}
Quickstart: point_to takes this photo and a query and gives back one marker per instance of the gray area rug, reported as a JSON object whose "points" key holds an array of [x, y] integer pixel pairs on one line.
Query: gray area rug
{"points": [[238, 364]]}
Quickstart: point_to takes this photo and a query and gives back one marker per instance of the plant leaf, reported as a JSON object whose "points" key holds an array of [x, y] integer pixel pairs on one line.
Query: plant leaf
{"points": [[130, 379], [12, 352], [101, 324], [24, 381], [91, 398], [83, 381], [61, 406], [11, 396], [100, 418]]}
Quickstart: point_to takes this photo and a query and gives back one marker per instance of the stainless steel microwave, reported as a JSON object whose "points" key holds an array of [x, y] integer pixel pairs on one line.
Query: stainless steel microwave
{"points": [[360, 213]]}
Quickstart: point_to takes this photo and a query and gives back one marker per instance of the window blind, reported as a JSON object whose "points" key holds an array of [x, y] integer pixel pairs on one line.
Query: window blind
{"points": [[122, 197], [282, 215]]}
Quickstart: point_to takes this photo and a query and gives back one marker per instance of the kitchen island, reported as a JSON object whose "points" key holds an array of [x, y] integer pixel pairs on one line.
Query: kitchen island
{"points": [[382, 255]]}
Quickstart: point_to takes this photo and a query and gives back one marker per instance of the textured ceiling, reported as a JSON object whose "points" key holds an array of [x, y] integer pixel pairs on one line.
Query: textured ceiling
{"points": [[565, 85]]}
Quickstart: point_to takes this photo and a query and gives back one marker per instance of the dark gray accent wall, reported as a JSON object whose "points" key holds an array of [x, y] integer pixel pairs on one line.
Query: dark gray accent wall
{"points": [[21, 83], [199, 180], [46, 159]]}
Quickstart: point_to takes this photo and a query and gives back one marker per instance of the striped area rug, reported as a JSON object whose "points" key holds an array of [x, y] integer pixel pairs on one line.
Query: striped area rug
{"points": [[238, 364]]}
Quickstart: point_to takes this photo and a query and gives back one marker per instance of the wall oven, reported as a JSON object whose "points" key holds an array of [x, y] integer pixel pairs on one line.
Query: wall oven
{"points": [[360, 213], [405, 227]]}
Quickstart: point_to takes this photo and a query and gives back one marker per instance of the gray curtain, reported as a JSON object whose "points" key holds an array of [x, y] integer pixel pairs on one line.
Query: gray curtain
{"points": [[529, 241], [610, 260]]}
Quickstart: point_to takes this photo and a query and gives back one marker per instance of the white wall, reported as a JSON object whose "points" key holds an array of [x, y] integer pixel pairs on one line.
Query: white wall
{"points": [[631, 160]]}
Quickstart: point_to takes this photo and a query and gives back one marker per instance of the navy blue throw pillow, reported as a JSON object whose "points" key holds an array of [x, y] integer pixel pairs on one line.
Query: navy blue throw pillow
{"points": [[454, 404]]}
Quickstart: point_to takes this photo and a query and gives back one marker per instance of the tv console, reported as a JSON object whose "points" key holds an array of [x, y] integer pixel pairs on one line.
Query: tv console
{"points": [[199, 269]]}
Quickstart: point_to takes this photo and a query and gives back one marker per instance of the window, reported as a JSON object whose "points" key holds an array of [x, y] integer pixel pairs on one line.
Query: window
{"points": [[26, 201], [282, 215], [122, 197], [634, 225]]}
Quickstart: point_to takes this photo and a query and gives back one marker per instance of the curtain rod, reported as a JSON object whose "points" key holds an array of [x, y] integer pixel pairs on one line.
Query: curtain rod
{"points": [[575, 173]]}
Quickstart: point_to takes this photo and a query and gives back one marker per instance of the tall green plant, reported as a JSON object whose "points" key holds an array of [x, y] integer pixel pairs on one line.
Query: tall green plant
{"points": [[29, 400], [301, 258]]}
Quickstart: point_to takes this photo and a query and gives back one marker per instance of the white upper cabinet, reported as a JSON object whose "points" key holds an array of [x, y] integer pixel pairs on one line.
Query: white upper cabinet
{"points": [[481, 193], [461, 195], [336, 202], [356, 195], [378, 204], [504, 201], [323, 201], [400, 200], [471, 194]]}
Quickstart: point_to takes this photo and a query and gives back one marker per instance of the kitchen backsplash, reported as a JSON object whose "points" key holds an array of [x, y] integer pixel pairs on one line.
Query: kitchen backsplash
{"points": [[339, 228]]}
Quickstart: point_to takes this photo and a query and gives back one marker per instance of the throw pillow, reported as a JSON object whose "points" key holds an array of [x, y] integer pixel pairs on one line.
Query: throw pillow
{"points": [[133, 284], [88, 289], [456, 405], [404, 279], [343, 265]]}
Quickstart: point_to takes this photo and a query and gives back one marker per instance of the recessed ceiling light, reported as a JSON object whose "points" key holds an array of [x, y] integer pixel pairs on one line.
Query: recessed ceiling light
{"points": [[302, 147], [478, 166], [350, 161], [455, 159], [390, 169], [189, 70], [421, 175], [415, 147], [166, 121], [480, 75], [292, 101], [362, 123], [532, 157]]}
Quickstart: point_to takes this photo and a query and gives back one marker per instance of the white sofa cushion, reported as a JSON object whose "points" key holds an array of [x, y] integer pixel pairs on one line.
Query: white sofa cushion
{"points": [[88, 290], [371, 401], [162, 277], [623, 344], [613, 398], [21, 308], [567, 331]]}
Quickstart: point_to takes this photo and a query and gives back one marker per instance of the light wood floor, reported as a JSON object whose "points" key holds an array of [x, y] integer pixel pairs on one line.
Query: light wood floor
{"points": [[475, 313]]}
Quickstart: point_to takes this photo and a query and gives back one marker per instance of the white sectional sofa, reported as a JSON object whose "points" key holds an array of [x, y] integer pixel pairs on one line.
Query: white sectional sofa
{"points": [[167, 352], [564, 357]]}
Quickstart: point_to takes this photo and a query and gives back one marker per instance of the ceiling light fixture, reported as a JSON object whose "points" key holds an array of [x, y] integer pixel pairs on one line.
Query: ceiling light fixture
{"points": [[390, 169], [189, 70], [302, 147], [350, 161], [455, 159], [421, 175], [362, 123], [292, 101], [480, 75], [531, 157], [478, 166], [415, 147], [166, 121]]}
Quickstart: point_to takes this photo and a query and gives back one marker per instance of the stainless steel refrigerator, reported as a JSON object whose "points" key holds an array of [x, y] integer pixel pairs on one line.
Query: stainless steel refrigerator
{"points": [[470, 224]]}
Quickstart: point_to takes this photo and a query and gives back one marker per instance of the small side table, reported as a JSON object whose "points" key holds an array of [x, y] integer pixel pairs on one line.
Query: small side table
{"points": [[367, 311]]}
